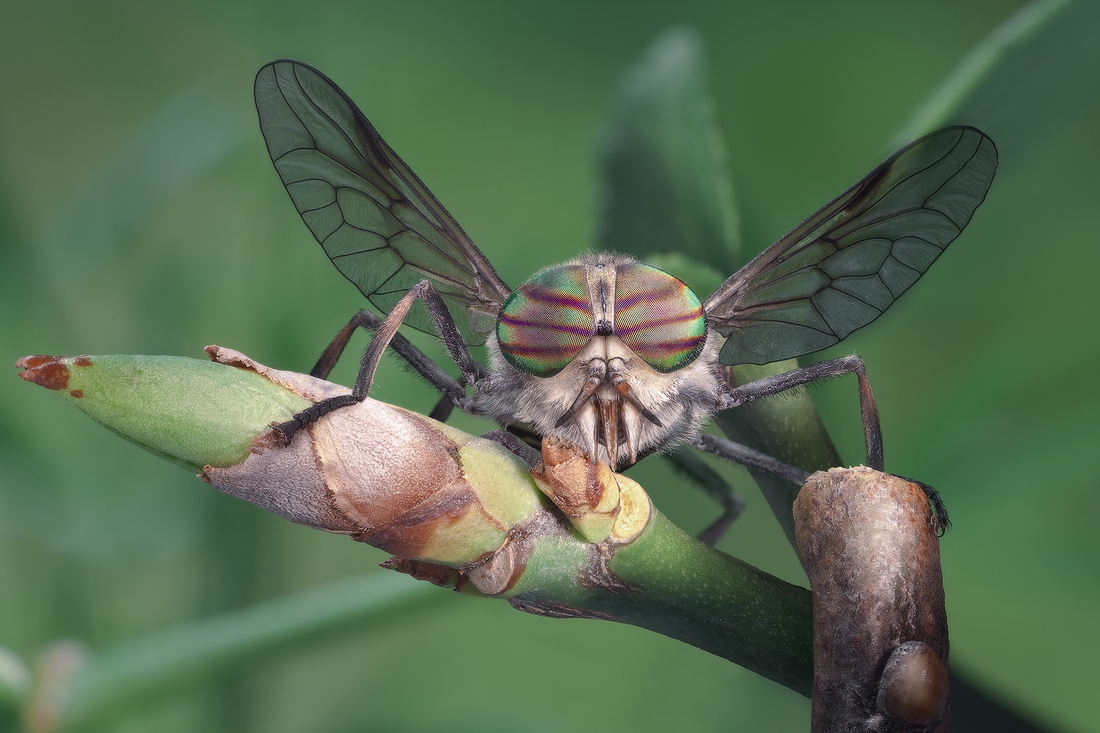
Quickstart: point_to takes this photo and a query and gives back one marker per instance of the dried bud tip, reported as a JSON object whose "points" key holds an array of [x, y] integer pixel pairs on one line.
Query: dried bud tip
{"points": [[51, 372]]}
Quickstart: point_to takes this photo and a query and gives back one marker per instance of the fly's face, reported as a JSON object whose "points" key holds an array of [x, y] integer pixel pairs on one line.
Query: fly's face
{"points": [[608, 353]]}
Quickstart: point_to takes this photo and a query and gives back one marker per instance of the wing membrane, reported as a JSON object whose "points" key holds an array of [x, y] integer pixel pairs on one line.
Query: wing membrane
{"points": [[375, 219], [842, 267]]}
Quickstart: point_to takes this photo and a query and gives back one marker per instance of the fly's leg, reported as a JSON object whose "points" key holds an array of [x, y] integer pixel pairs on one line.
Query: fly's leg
{"points": [[451, 388], [872, 428], [940, 522], [385, 333], [750, 458], [331, 355], [717, 487], [745, 456], [517, 445], [769, 386]]}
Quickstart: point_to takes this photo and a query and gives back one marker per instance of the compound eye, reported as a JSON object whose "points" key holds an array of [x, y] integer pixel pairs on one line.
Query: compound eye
{"points": [[659, 317], [546, 321]]}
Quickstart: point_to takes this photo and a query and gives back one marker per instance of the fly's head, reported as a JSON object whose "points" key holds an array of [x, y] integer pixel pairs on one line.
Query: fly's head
{"points": [[608, 353]]}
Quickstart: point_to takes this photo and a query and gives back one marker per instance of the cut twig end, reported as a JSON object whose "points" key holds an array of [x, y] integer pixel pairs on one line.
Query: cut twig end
{"points": [[872, 556]]}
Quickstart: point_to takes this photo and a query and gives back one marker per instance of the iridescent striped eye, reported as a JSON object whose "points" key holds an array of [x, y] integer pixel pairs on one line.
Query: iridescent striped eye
{"points": [[546, 321], [658, 317]]}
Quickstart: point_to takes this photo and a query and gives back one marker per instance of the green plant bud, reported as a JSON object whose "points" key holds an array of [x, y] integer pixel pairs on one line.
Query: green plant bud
{"points": [[431, 495], [393, 479], [455, 510], [191, 412]]}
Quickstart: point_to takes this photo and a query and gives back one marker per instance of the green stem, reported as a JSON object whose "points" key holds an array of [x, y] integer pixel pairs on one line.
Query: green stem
{"points": [[718, 603], [686, 590]]}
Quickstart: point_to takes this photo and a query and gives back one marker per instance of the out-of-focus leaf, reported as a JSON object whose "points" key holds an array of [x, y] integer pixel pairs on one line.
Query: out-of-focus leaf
{"points": [[178, 145], [699, 276], [666, 187], [668, 198]]}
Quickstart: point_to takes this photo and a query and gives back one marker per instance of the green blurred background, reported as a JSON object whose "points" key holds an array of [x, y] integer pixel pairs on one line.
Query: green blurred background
{"points": [[139, 213]]}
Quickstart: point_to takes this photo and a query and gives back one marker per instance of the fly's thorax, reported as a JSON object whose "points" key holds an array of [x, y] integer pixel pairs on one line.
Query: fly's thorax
{"points": [[608, 353]]}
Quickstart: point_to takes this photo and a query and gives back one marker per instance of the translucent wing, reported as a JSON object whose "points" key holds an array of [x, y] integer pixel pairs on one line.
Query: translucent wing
{"points": [[378, 223], [841, 268]]}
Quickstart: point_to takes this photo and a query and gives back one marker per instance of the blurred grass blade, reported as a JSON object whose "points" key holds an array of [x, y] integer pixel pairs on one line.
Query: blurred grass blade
{"points": [[1031, 69], [181, 142], [666, 186], [15, 683], [203, 650]]}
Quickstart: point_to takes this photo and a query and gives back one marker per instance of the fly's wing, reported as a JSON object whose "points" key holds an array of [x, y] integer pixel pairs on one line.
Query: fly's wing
{"points": [[841, 268], [375, 219]]}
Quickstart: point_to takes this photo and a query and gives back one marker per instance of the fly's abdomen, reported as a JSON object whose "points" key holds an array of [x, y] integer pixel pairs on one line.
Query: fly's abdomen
{"points": [[658, 317], [546, 321]]}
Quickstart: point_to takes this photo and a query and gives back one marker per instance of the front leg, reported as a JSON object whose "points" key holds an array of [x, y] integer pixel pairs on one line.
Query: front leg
{"points": [[872, 429], [749, 458], [385, 333], [453, 391], [769, 386]]}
